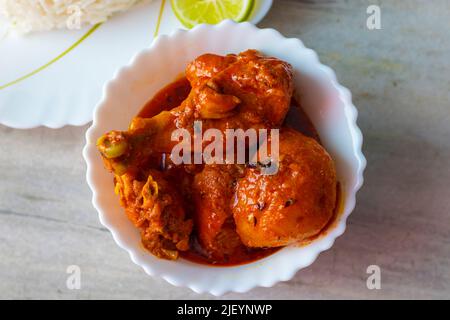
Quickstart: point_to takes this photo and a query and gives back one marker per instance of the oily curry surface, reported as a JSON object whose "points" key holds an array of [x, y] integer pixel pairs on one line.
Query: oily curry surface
{"points": [[222, 214]]}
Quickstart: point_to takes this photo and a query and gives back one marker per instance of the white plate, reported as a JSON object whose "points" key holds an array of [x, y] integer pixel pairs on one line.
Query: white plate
{"points": [[43, 81], [327, 103]]}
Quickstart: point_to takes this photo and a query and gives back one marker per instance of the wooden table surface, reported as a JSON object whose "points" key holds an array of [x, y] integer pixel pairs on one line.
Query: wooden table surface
{"points": [[400, 79]]}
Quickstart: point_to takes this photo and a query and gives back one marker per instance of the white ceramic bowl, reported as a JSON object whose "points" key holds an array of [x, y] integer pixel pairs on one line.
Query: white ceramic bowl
{"points": [[327, 103]]}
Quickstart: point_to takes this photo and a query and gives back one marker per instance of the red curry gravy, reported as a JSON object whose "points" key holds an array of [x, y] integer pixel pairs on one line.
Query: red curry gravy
{"points": [[172, 96]]}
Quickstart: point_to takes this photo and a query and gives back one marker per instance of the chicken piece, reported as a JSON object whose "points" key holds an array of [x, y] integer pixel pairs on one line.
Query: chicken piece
{"points": [[134, 149], [213, 190], [262, 85], [155, 207], [292, 205]]}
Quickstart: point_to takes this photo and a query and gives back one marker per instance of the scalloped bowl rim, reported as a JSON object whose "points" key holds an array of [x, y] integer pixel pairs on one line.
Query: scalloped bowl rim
{"points": [[265, 278]]}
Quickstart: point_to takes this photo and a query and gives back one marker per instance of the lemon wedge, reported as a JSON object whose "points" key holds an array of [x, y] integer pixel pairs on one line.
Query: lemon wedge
{"points": [[193, 12]]}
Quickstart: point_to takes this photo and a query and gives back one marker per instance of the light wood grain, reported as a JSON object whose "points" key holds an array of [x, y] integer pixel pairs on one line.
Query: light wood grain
{"points": [[400, 79]]}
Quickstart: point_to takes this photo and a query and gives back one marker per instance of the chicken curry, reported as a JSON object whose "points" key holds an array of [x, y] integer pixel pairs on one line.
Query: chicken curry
{"points": [[222, 214]]}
